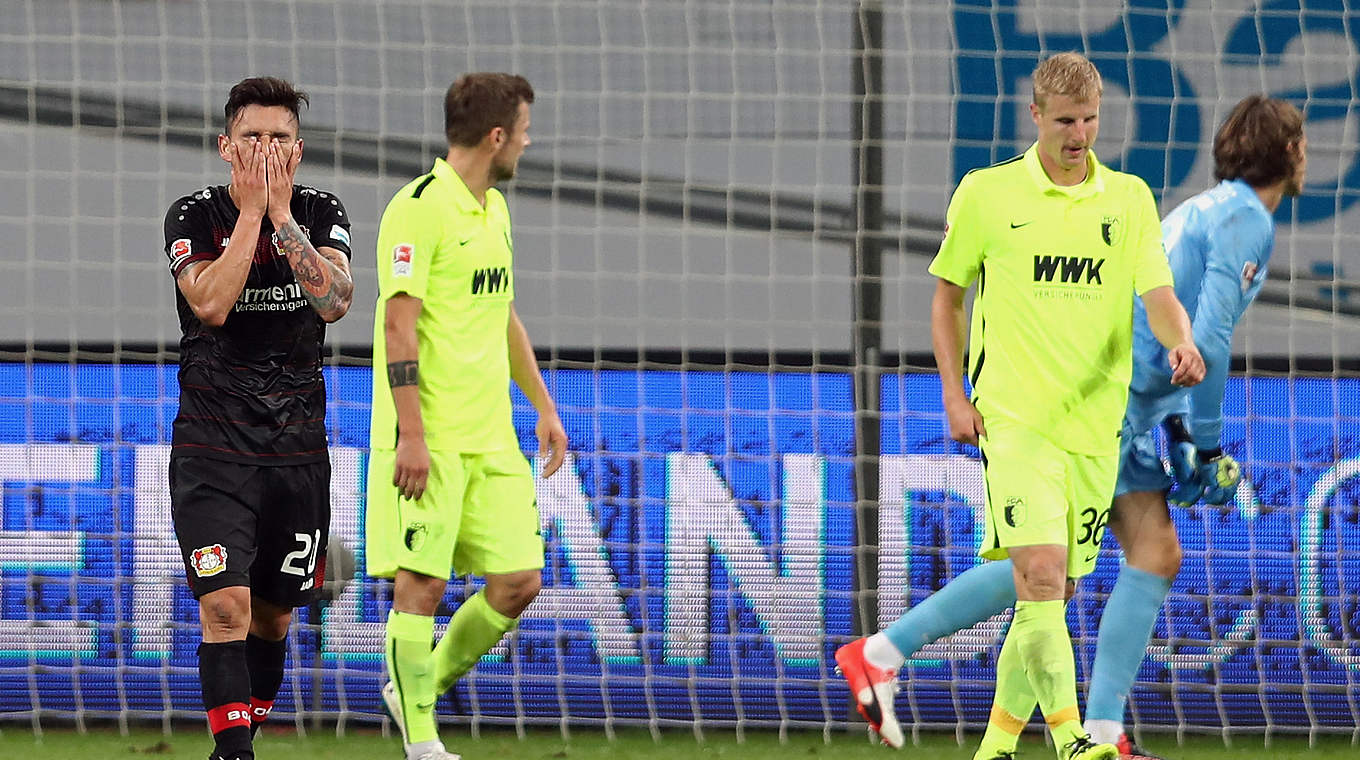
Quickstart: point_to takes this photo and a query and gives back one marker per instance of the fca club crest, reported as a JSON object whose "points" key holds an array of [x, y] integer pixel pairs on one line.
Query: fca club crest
{"points": [[415, 536], [1110, 230], [210, 560], [1015, 511]]}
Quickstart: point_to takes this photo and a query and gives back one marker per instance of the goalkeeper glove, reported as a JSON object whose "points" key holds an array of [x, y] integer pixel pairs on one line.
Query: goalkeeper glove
{"points": [[1184, 464], [1210, 474], [1219, 474]]}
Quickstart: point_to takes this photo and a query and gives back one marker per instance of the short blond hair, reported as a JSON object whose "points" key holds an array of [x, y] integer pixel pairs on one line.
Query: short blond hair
{"points": [[1068, 74]]}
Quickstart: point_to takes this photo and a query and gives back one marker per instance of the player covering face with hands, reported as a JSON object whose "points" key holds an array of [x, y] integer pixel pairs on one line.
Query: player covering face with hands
{"points": [[261, 265]]}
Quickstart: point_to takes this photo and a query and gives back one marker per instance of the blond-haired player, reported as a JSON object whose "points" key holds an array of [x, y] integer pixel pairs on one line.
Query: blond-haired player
{"points": [[1059, 246]]}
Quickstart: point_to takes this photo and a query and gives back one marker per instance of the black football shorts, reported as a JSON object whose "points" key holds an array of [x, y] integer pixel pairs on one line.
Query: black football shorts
{"points": [[263, 527]]}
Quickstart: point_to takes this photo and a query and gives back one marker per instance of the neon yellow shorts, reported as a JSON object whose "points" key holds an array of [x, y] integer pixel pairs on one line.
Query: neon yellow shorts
{"points": [[1038, 493], [478, 515]]}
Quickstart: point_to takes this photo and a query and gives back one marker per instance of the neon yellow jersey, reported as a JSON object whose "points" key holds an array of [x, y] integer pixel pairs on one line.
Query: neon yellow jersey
{"points": [[438, 244], [1057, 268]]}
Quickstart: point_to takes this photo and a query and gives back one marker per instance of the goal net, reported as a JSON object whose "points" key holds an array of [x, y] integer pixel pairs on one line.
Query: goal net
{"points": [[687, 226]]}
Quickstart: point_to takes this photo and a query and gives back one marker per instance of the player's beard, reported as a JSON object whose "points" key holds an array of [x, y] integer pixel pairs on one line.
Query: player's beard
{"points": [[501, 172], [1294, 187]]}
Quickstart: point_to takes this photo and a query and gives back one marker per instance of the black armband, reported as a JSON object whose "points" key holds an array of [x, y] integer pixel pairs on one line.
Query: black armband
{"points": [[402, 373]]}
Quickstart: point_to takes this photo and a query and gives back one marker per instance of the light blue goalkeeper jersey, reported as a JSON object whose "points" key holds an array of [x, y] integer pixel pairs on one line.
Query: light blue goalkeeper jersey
{"points": [[1218, 244]]}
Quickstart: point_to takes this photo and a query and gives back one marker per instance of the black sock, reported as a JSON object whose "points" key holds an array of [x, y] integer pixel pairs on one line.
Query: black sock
{"points": [[225, 680], [264, 659]]}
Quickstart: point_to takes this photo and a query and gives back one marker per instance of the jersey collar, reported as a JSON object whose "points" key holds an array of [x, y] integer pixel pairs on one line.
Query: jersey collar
{"points": [[1244, 189], [458, 189], [1095, 176]]}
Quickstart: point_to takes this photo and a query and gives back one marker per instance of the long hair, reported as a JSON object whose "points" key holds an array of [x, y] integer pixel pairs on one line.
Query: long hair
{"points": [[1258, 141]]}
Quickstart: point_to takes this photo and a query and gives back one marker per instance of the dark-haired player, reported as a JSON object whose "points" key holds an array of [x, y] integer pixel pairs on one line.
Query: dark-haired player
{"points": [[448, 488], [1219, 244], [261, 266]]}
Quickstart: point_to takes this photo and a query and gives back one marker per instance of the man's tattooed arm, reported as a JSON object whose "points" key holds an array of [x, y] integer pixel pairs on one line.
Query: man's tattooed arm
{"points": [[324, 277]]}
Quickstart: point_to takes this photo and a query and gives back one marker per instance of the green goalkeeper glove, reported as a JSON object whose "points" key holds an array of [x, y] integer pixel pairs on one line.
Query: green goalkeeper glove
{"points": [[1209, 474], [1219, 473]]}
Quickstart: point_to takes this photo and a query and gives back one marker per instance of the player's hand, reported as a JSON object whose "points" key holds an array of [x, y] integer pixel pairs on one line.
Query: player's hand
{"points": [[1187, 365], [552, 441], [412, 469], [282, 165], [248, 177], [1184, 463], [1219, 473], [965, 423], [1185, 469]]}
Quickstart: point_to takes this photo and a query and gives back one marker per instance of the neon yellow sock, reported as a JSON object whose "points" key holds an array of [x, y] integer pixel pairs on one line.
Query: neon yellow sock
{"points": [[409, 642], [472, 631], [1012, 706], [1045, 648]]}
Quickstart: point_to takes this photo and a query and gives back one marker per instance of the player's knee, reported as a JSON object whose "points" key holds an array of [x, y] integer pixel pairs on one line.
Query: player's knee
{"points": [[522, 593], [532, 585], [511, 594], [1042, 588], [1042, 577], [224, 614], [273, 629], [1158, 553], [270, 622], [1171, 558], [417, 594]]}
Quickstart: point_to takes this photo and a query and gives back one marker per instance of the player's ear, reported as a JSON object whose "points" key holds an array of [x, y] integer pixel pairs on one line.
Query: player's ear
{"points": [[223, 143]]}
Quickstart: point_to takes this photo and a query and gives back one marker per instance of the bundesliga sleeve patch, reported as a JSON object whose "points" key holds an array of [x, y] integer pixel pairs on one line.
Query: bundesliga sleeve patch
{"points": [[1248, 276], [179, 251], [339, 233], [402, 256], [209, 560]]}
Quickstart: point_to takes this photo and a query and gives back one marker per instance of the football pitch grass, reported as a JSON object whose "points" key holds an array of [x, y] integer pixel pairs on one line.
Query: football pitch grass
{"points": [[17, 742]]}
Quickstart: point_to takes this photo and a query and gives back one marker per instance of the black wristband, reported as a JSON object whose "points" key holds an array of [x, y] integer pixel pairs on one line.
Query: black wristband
{"points": [[402, 373]]}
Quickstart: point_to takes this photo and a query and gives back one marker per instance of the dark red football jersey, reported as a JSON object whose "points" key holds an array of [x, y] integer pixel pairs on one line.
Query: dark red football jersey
{"points": [[251, 391]]}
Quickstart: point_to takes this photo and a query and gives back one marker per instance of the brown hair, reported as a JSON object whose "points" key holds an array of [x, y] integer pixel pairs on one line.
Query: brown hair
{"points": [[1067, 74], [1253, 144], [478, 103], [263, 91]]}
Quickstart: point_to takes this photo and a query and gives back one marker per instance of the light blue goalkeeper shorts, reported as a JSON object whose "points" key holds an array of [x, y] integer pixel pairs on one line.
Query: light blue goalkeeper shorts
{"points": [[1140, 467]]}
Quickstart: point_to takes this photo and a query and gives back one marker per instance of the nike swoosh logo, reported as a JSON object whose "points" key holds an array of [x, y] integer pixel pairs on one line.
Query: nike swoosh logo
{"points": [[1015, 226], [1088, 559], [464, 242], [426, 706]]}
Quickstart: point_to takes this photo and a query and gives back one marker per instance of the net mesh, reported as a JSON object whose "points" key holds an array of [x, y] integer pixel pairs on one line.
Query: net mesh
{"points": [[685, 226]]}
